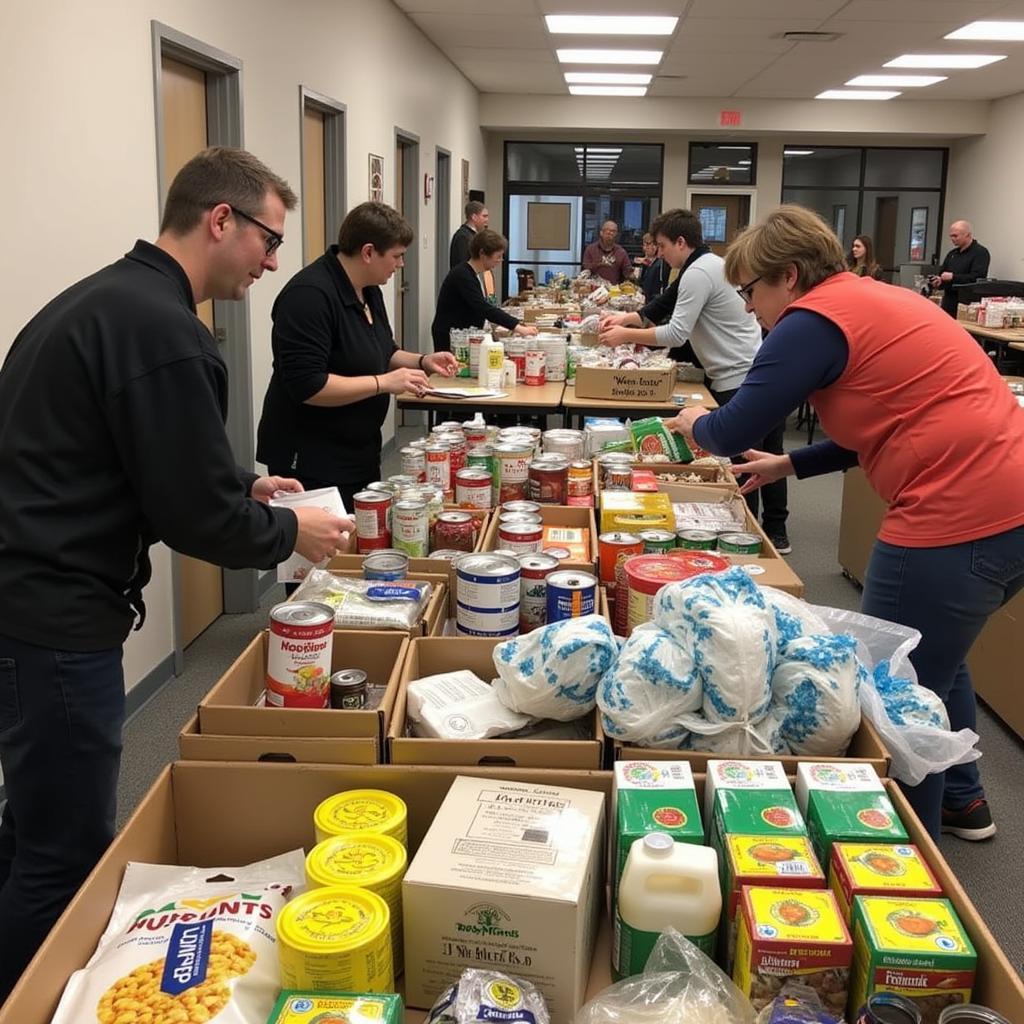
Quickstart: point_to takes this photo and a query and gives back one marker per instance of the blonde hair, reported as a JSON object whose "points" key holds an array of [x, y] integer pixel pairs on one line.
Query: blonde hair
{"points": [[790, 235]]}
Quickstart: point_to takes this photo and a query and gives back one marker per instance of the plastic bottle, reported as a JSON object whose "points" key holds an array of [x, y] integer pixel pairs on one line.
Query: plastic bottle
{"points": [[665, 884], [492, 361]]}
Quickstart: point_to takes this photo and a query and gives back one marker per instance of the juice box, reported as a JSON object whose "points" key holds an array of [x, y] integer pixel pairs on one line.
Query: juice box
{"points": [[652, 437], [654, 796], [748, 797], [643, 480], [575, 538], [845, 803], [778, 861], [336, 1008], [794, 934], [916, 948], [879, 869], [633, 510]]}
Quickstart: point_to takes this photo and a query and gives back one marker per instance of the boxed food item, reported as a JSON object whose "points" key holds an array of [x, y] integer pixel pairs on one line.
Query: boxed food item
{"points": [[762, 860], [794, 934], [916, 948], [879, 869], [336, 1008], [845, 803], [631, 511], [509, 877], [574, 538]]}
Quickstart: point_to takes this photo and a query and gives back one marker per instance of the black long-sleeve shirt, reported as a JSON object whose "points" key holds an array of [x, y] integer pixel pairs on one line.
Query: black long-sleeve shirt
{"points": [[112, 407], [461, 303], [966, 266], [458, 251]]}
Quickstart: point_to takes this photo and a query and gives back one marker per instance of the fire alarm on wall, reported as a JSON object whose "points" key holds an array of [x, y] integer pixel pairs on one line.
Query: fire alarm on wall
{"points": [[428, 186]]}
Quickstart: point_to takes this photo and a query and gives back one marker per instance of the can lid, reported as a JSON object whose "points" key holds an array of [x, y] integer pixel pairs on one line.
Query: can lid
{"points": [[454, 517], [302, 613], [373, 810], [360, 858], [898, 1009], [659, 843], [348, 678], [971, 1013], [333, 918]]}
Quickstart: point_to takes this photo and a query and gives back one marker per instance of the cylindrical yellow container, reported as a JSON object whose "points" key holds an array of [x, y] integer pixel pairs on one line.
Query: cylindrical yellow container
{"points": [[361, 810], [371, 861], [336, 939]]}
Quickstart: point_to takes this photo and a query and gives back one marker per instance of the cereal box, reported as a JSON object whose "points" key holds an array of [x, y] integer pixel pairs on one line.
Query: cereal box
{"points": [[654, 796], [336, 1008], [879, 869], [916, 948], [777, 861], [792, 934], [847, 803]]}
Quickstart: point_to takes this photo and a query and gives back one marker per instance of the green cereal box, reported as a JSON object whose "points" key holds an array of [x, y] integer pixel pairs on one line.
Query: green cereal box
{"points": [[846, 803], [654, 796], [749, 797], [651, 437], [336, 1008], [916, 948]]}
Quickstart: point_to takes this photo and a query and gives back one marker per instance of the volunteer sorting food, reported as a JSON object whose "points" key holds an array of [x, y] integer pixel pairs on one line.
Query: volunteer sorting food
{"points": [[904, 392]]}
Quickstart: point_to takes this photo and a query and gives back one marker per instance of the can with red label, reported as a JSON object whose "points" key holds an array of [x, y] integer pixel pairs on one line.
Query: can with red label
{"points": [[373, 520], [456, 531], [513, 470], [414, 463], [533, 597], [519, 517], [571, 595], [299, 655], [647, 574], [522, 538], [475, 433], [438, 465], [473, 487], [457, 455], [535, 370], [549, 480], [579, 487]]}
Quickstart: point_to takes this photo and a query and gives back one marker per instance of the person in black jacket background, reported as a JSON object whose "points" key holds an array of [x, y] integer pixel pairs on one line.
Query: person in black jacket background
{"points": [[461, 301], [965, 263], [477, 218]]}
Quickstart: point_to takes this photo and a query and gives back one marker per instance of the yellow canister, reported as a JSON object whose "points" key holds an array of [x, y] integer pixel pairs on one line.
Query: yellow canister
{"points": [[336, 939], [361, 810], [371, 861]]}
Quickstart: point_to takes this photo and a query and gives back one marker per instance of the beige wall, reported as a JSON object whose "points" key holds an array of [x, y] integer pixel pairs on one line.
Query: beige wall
{"points": [[79, 165]]}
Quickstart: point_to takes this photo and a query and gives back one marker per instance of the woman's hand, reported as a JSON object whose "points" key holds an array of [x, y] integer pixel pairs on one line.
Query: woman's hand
{"points": [[265, 487], [404, 379], [763, 468], [526, 330], [443, 363], [619, 320], [683, 423]]}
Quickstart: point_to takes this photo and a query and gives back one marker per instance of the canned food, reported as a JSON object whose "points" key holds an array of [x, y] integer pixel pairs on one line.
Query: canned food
{"points": [[569, 443], [457, 450], [558, 552], [535, 368], [579, 488], [456, 530], [348, 689], [610, 548], [487, 594], [414, 463], [473, 487], [971, 1013], [475, 433], [740, 543], [513, 470], [402, 480], [888, 1008], [533, 593], [299, 654], [656, 541], [519, 517], [410, 527], [571, 595], [386, 565], [372, 516], [697, 540], [647, 574], [446, 554], [521, 506], [382, 487], [361, 810], [447, 426], [699, 561], [549, 481], [438, 466], [483, 457], [336, 939], [522, 538]]}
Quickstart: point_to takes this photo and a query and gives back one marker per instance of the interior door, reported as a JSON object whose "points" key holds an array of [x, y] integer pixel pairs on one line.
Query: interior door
{"points": [[314, 219], [201, 590], [886, 214], [722, 216], [400, 283], [443, 217]]}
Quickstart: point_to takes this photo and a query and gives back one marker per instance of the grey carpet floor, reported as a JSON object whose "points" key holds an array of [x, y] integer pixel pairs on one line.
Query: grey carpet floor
{"points": [[992, 872]]}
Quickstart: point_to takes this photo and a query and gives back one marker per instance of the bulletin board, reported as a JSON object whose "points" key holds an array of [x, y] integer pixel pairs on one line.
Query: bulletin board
{"points": [[548, 225]]}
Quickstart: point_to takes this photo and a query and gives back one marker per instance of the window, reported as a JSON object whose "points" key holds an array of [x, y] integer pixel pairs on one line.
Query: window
{"points": [[712, 222], [726, 163]]}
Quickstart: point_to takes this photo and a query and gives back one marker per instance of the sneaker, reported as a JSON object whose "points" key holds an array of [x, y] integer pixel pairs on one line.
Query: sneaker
{"points": [[973, 822], [781, 542]]}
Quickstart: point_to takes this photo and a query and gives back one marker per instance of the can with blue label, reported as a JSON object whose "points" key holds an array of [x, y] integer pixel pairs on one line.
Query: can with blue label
{"points": [[389, 564], [487, 594], [571, 594]]}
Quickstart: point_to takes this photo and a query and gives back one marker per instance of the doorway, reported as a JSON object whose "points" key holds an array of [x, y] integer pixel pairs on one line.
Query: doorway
{"points": [[887, 210], [442, 216], [722, 216], [323, 171], [407, 171]]}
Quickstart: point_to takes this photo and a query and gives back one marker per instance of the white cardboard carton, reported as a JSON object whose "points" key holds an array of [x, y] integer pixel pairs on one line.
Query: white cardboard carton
{"points": [[507, 877]]}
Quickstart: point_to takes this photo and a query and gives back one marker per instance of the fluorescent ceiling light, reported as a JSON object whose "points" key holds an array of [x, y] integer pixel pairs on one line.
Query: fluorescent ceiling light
{"points": [[855, 94], [911, 81], [944, 60], [734, 147], [609, 56], [990, 30], [606, 78], [743, 163], [797, 152], [607, 90], [610, 25]]}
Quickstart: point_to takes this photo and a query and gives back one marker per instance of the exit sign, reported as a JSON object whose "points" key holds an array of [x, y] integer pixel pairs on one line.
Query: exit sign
{"points": [[730, 118]]}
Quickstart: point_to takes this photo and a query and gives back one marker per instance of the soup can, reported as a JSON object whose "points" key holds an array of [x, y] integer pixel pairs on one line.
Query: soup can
{"points": [[558, 552], [410, 527], [549, 481], [438, 472], [457, 530], [513, 470], [530, 507], [656, 541], [299, 651], [535, 368], [569, 443], [361, 810], [473, 487], [414, 463], [487, 589], [579, 488], [386, 565], [475, 433], [570, 595], [336, 939], [372, 516], [522, 538], [697, 540], [533, 593], [739, 543]]}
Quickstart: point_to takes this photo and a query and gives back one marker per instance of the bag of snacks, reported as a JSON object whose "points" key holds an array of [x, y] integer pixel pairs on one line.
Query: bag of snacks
{"points": [[652, 437]]}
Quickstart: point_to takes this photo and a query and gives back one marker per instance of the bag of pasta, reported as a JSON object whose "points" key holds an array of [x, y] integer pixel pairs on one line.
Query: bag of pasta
{"points": [[187, 946]]}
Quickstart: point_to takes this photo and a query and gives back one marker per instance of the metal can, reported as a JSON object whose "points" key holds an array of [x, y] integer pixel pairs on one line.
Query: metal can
{"points": [[483, 457], [382, 487], [473, 487], [373, 520], [487, 594], [740, 543], [519, 517], [611, 548], [533, 593], [579, 488], [889, 1008], [530, 507], [569, 443], [697, 540], [414, 463], [457, 451], [456, 530], [549, 480], [403, 480], [571, 595], [439, 465], [535, 368], [656, 541], [410, 527], [560, 553], [448, 425], [615, 471], [348, 689], [513, 470], [446, 554], [521, 538], [474, 433], [386, 565], [362, 810], [971, 1013], [645, 575], [299, 654]]}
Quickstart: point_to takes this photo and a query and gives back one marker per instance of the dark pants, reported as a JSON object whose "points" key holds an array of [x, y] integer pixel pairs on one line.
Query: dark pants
{"points": [[947, 593], [776, 510], [61, 715]]}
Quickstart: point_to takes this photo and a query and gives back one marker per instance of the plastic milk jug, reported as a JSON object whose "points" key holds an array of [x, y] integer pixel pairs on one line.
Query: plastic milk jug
{"points": [[665, 884], [492, 361]]}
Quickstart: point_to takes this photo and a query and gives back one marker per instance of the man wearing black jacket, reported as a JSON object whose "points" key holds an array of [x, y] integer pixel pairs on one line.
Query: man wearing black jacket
{"points": [[965, 263], [477, 218], [112, 407]]}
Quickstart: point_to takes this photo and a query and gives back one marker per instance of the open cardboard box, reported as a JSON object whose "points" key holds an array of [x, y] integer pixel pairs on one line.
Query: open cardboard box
{"points": [[428, 656], [627, 385], [229, 709], [209, 814], [536, 311], [557, 515]]}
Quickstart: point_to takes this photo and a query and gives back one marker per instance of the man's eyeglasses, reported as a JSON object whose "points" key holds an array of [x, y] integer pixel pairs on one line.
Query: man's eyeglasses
{"points": [[746, 291], [274, 240]]}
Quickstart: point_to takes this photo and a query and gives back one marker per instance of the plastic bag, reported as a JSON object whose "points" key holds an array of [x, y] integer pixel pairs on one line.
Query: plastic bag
{"points": [[367, 604], [795, 1004], [679, 985], [917, 749], [489, 996]]}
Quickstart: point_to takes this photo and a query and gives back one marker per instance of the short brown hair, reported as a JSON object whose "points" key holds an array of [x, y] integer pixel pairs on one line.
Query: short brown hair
{"points": [[473, 207], [375, 224], [790, 235], [486, 243], [220, 174], [677, 223]]}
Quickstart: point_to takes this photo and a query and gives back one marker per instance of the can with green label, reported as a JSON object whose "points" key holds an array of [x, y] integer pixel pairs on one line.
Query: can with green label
{"points": [[483, 457], [656, 541], [697, 540], [740, 543]]}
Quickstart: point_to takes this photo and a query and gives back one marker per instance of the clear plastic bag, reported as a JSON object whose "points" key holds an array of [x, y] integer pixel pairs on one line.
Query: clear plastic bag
{"points": [[481, 995], [679, 985]]}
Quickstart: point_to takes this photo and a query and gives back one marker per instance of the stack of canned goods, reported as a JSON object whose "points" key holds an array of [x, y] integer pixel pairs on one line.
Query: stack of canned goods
{"points": [[615, 471], [730, 542]]}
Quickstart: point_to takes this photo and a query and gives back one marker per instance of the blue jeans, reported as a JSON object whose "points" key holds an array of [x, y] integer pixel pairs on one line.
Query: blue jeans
{"points": [[61, 714], [947, 593]]}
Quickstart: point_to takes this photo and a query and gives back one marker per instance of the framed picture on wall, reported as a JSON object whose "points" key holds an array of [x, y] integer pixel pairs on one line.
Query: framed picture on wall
{"points": [[465, 182], [376, 178], [839, 220], [918, 233]]}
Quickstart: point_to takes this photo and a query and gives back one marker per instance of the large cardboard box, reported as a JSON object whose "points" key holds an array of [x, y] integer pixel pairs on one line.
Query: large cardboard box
{"points": [[229, 709], [508, 876], [861, 516], [625, 385], [557, 515], [717, 475], [534, 312], [428, 656]]}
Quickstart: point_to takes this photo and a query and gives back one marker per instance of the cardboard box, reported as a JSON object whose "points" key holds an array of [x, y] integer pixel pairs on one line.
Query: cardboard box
{"points": [[879, 869], [507, 877], [861, 516], [717, 475], [229, 709], [532, 313], [602, 382], [428, 656], [556, 515]]}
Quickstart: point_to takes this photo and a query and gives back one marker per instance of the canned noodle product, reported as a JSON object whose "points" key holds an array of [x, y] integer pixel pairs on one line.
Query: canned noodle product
{"points": [[361, 810], [299, 654]]}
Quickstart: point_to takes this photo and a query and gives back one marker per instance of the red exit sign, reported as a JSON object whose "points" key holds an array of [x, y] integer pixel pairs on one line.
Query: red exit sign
{"points": [[730, 118]]}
